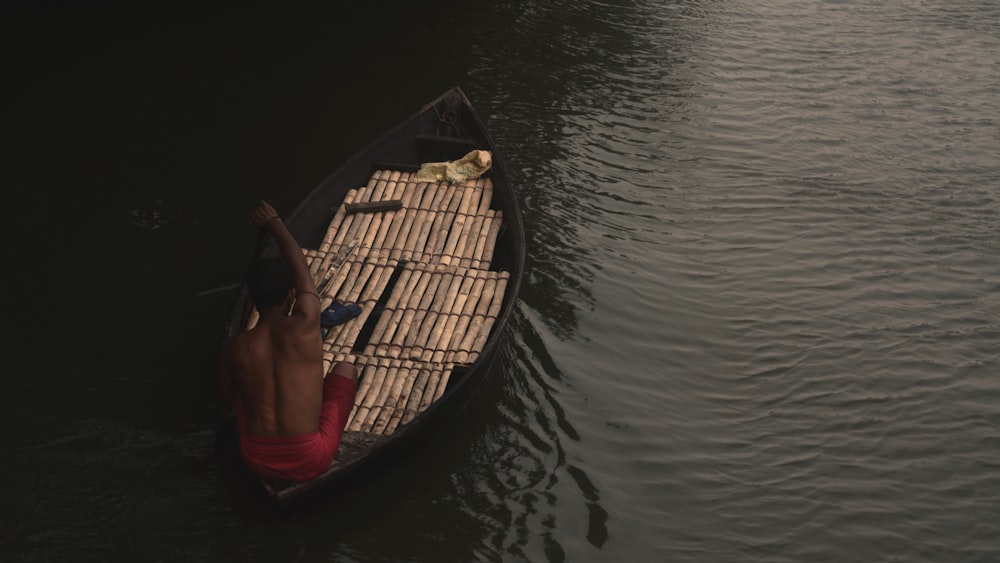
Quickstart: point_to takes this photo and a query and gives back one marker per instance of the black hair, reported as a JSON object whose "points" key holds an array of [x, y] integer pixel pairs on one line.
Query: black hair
{"points": [[269, 281]]}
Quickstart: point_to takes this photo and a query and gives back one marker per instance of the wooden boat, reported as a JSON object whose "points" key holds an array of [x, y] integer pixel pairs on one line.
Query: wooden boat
{"points": [[436, 268]]}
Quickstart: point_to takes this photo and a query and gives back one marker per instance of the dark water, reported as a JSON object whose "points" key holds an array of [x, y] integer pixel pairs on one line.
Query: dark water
{"points": [[762, 320]]}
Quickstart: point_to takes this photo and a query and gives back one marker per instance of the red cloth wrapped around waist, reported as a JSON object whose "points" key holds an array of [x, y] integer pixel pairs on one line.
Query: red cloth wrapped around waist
{"points": [[294, 458], [304, 457]]}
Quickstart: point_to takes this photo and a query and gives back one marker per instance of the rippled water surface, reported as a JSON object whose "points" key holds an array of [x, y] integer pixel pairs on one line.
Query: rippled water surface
{"points": [[761, 320]]}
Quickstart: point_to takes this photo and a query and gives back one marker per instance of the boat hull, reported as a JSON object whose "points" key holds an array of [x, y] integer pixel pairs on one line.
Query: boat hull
{"points": [[445, 129]]}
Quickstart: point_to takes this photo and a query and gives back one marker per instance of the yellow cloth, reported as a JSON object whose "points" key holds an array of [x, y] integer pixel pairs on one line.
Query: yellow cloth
{"points": [[470, 166]]}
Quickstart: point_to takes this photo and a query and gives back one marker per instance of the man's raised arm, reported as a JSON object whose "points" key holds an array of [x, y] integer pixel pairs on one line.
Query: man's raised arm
{"points": [[306, 298]]}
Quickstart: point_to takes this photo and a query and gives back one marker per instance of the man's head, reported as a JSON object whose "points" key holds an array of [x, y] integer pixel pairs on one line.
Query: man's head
{"points": [[269, 281]]}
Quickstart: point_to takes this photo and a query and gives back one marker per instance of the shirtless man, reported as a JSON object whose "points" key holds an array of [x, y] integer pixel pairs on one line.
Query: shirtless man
{"points": [[289, 418]]}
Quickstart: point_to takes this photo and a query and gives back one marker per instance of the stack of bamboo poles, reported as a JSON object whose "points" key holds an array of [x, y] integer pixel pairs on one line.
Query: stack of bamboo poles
{"points": [[442, 306], [392, 392], [438, 314], [438, 223]]}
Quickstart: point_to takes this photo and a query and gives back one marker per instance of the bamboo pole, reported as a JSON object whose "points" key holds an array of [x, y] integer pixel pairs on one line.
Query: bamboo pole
{"points": [[427, 395], [374, 290], [406, 221], [383, 346], [484, 332], [449, 206], [423, 301], [402, 396], [409, 246], [327, 360], [432, 310], [428, 283], [359, 227], [476, 195], [443, 382], [349, 221], [413, 234], [454, 201], [382, 184], [330, 340], [472, 225], [330, 238], [440, 191], [394, 190], [379, 402], [390, 308], [330, 358], [457, 228], [343, 342], [389, 408], [470, 198], [442, 338], [313, 259], [338, 219], [428, 192], [465, 316], [366, 400], [369, 374], [337, 282], [420, 253], [487, 199], [366, 300], [470, 239], [356, 282], [412, 408], [372, 185], [489, 248], [445, 309], [328, 294], [342, 255], [398, 219], [450, 189], [477, 252], [414, 306], [385, 185], [453, 235], [478, 316], [438, 195], [436, 238], [431, 193], [358, 363], [371, 232]]}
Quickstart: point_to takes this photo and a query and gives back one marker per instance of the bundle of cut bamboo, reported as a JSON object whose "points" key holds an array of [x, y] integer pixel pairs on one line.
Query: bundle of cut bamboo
{"points": [[437, 240]]}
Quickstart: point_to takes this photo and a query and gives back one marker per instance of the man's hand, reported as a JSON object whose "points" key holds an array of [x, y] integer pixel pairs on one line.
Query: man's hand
{"points": [[263, 215]]}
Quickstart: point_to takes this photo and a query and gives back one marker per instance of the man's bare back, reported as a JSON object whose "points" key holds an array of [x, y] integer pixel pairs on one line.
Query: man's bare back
{"points": [[275, 370]]}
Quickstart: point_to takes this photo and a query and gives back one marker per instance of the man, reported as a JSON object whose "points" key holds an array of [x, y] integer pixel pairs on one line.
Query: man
{"points": [[290, 419]]}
